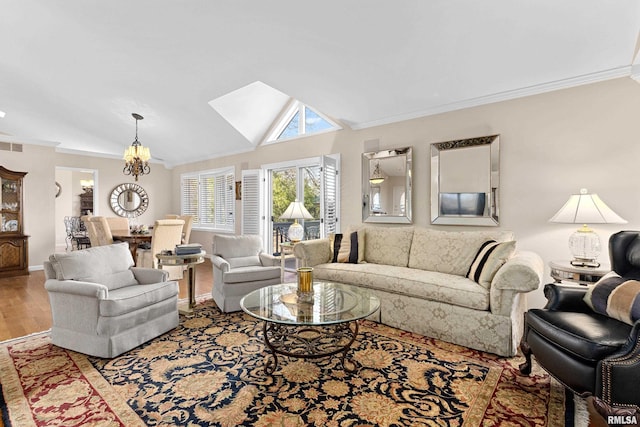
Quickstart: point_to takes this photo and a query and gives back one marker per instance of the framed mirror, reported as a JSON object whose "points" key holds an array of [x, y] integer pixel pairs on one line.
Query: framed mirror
{"points": [[386, 186], [465, 181], [129, 200]]}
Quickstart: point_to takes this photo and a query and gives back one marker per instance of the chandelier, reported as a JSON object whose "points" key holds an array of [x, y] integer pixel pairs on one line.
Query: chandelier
{"points": [[136, 156], [376, 177]]}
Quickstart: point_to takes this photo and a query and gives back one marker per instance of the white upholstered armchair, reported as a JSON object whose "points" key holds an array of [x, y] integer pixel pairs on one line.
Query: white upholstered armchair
{"points": [[239, 267], [103, 306]]}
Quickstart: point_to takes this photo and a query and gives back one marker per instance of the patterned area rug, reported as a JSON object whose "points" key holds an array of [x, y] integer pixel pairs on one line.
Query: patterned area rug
{"points": [[209, 371]]}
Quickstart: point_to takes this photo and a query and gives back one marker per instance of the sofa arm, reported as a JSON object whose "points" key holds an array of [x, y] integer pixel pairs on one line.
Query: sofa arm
{"points": [[76, 287], [219, 263], [313, 252], [566, 298], [522, 273], [146, 276], [268, 260]]}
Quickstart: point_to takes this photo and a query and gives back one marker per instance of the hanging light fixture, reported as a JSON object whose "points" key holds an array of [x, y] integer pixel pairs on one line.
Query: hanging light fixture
{"points": [[376, 177], [136, 156]]}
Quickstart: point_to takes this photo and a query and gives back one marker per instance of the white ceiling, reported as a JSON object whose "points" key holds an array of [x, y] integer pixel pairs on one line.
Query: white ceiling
{"points": [[73, 71]]}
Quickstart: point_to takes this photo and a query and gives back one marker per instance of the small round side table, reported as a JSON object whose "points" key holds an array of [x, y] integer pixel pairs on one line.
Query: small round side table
{"points": [[564, 271], [190, 262]]}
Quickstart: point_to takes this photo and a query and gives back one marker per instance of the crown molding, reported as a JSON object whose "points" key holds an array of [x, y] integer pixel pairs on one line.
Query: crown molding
{"points": [[614, 73]]}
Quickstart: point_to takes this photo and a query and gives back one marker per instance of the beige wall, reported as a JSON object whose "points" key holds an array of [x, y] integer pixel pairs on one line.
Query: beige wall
{"points": [[551, 145], [41, 219]]}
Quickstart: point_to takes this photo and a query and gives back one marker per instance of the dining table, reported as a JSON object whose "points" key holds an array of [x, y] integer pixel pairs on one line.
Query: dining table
{"points": [[133, 238]]}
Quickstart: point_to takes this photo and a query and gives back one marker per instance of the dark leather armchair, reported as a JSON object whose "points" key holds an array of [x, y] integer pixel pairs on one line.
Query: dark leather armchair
{"points": [[591, 354]]}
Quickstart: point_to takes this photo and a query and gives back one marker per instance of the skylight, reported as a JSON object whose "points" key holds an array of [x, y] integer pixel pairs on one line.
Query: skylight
{"points": [[263, 114], [300, 120]]}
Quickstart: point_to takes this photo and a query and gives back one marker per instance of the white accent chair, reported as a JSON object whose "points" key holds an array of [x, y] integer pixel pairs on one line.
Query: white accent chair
{"points": [[239, 267], [102, 305], [167, 233]]}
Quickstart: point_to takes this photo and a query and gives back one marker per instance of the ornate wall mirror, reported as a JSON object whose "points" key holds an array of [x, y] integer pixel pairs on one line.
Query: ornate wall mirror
{"points": [[129, 200], [465, 181], [386, 186]]}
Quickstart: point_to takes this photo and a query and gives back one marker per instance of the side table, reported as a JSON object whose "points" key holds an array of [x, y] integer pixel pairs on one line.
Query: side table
{"points": [[564, 271], [286, 248], [190, 261]]}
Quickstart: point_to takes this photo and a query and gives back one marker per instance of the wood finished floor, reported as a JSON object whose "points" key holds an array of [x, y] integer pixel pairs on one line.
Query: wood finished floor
{"points": [[24, 304], [24, 309]]}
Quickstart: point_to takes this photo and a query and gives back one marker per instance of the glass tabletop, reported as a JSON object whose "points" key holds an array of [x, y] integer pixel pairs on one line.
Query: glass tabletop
{"points": [[332, 303]]}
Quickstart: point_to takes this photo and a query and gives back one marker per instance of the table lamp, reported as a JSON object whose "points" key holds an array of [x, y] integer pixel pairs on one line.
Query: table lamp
{"points": [[585, 208], [296, 211]]}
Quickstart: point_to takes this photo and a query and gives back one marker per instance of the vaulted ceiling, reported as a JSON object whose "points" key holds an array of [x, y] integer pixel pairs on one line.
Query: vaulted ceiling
{"points": [[73, 71]]}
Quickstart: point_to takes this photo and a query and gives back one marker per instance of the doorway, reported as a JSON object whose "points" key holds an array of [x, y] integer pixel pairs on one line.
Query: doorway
{"points": [[77, 194]]}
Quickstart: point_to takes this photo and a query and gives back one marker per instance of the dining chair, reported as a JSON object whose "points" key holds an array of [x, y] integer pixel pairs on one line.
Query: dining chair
{"points": [[119, 223], [166, 234], [91, 230], [188, 223], [102, 231]]}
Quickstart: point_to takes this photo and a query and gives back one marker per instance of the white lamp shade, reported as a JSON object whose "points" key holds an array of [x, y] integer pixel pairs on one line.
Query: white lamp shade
{"points": [[296, 210], [586, 208]]}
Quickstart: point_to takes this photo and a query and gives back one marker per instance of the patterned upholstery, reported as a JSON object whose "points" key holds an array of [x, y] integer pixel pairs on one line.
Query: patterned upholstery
{"points": [[420, 277]]}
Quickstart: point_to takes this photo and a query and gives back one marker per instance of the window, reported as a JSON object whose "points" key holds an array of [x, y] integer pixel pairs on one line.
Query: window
{"points": [[210, 197], [300, 120], [266, 193]]}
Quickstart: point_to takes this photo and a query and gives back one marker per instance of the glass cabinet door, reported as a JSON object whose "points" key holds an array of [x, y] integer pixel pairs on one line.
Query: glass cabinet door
{"points": [[10, 206]]}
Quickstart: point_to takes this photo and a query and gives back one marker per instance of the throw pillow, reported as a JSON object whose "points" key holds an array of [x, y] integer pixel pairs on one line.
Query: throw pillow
{"points": [[344, 247], [488, 260], [616, 297]]}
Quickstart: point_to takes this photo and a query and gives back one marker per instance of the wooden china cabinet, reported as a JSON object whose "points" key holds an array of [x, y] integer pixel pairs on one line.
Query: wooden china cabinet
{"points": [[14, 248]]}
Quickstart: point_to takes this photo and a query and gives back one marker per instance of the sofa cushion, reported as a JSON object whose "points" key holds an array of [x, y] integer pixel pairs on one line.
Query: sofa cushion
{"points": [[388, 246], [244, 261], [250, 274], [450, 252], [592, 337], [616, 297], [236, 246], [434, 286], [108, 265], [131, 298], [490, 257]]}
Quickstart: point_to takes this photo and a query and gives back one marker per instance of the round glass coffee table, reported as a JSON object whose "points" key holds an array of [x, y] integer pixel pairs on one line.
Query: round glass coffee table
{"points": [[324, 326]]}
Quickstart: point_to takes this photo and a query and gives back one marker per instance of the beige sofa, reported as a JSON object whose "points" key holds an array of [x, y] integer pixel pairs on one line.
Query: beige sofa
{"points": [[419, 274]]}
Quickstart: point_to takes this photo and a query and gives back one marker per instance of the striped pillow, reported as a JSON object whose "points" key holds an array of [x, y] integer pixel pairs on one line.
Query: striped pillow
{"points": [[490, 257], [616, 297], [345, 249]]}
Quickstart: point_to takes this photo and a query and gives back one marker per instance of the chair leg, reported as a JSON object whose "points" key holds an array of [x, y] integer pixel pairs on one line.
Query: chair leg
{"points": [[525, 368]]}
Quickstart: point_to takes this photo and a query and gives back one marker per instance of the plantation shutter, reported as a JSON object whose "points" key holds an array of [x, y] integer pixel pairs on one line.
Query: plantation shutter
{"points": [[207, 199], [252, 202], [189, 191], [229, 202], [329, 202], [219, 207]]}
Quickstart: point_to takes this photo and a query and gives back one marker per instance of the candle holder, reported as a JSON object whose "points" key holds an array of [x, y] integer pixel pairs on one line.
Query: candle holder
{"points": [[305, 284]]}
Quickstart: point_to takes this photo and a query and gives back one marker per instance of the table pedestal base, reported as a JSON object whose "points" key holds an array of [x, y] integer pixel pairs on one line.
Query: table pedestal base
{"points": [[309, 343]]}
